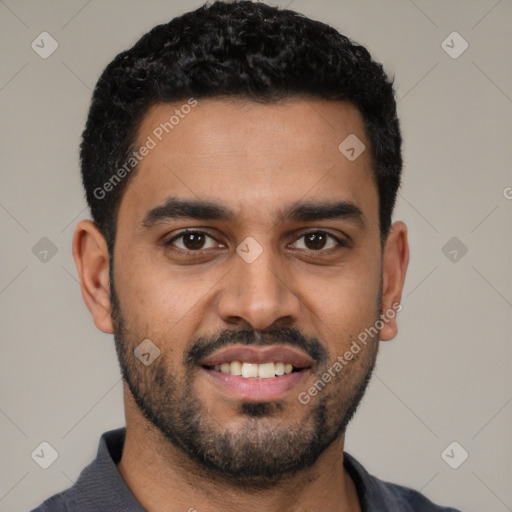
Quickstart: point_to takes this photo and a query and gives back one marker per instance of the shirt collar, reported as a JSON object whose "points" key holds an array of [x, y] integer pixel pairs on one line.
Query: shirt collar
{"points": [[100, 483]]}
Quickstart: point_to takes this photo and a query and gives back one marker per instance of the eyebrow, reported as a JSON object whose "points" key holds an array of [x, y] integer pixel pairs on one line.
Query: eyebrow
{"points": [[176, 208]]}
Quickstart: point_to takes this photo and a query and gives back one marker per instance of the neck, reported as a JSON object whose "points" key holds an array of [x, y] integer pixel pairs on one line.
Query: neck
{"points": [[163, 478]]}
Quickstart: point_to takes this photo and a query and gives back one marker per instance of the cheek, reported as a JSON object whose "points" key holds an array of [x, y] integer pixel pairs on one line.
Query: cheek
{"points": [[344, 303], [159, 303]]}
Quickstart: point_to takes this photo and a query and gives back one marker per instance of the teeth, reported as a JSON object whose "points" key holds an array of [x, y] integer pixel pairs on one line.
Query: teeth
{"points": [[266, 370], [254, 370], [236, 368], [249, 370]]}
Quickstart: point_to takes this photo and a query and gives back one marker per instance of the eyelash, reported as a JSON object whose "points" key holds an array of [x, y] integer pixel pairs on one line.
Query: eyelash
{"points": [[339, 242]]}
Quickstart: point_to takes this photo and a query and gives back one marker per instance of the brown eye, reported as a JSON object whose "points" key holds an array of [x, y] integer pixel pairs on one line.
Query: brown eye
{"points": [[191, 241], [319, 241], [315, 241]]}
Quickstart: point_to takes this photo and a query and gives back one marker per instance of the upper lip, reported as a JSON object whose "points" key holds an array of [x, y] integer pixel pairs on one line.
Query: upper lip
{"points": [[252, 354]]}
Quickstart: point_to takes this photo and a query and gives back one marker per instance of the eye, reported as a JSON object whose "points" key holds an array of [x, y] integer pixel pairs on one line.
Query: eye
{"points": [[192, 241], [195, 241], [320, 241]]}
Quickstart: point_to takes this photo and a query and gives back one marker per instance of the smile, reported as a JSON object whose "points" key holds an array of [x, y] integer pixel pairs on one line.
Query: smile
{"points": [[255, 370], [256, 373]]}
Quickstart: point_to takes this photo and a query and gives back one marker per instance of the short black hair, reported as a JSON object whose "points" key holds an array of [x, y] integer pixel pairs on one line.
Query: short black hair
{"points": [[242, 49]]}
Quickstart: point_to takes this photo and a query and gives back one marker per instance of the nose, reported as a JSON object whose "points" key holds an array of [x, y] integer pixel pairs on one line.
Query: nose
{"points": [[258, 294]]}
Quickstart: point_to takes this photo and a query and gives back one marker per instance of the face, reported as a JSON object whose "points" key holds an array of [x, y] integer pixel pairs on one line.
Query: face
{"points": [[248, 243]]}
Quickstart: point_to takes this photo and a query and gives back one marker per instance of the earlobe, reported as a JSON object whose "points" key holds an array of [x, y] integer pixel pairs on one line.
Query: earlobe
{"points": [[394, 268], [92, 262]]}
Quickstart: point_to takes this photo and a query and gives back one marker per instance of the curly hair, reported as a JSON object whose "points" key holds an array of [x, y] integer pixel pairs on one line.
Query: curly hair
{"points": [[239, 49]]}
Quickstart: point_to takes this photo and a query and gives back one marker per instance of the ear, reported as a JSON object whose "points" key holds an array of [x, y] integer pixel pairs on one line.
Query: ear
{"points": [[394, 267], [91, 259]]}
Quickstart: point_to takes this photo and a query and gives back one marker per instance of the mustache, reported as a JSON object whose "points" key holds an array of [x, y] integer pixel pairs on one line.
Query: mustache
{"points": [[204, 346]]}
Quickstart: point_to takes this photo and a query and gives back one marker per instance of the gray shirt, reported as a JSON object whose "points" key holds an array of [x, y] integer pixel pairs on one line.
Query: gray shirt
{"points": [[100, 487]]}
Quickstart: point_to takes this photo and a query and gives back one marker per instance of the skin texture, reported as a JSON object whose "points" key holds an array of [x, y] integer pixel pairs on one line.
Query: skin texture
{"points": [[255, 159]]}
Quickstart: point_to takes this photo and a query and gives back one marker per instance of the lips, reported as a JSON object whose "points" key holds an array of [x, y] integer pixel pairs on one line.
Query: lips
{"points": [[256, 373]]}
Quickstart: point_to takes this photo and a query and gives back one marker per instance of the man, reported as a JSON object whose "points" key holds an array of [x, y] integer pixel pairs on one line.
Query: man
{"points": [[241, 164]]}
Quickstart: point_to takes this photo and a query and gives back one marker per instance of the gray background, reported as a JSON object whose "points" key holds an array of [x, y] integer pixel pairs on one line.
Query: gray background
{"points": [[446, 377]]}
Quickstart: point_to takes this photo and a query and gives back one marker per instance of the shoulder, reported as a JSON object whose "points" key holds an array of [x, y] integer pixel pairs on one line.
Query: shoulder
{"points": [[413, 501], [65, 501], [378, 495], [98, 483]]}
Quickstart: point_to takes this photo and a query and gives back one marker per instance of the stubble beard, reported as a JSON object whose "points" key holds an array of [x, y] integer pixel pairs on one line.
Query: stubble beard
{"points": [[265, 450]]}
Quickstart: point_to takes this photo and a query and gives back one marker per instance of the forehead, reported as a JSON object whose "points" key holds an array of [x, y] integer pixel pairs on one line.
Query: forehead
{"points": [[254, 157]]}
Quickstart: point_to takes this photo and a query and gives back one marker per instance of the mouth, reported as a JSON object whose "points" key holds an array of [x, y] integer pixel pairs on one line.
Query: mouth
{"points": [[257, 373]]}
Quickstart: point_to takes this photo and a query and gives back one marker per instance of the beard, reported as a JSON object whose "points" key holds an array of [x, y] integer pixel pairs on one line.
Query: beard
{"points": [[266, 447]]}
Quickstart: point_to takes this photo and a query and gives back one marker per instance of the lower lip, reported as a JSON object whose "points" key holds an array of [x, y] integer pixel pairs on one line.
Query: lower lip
{"points": [[256, 390]]}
